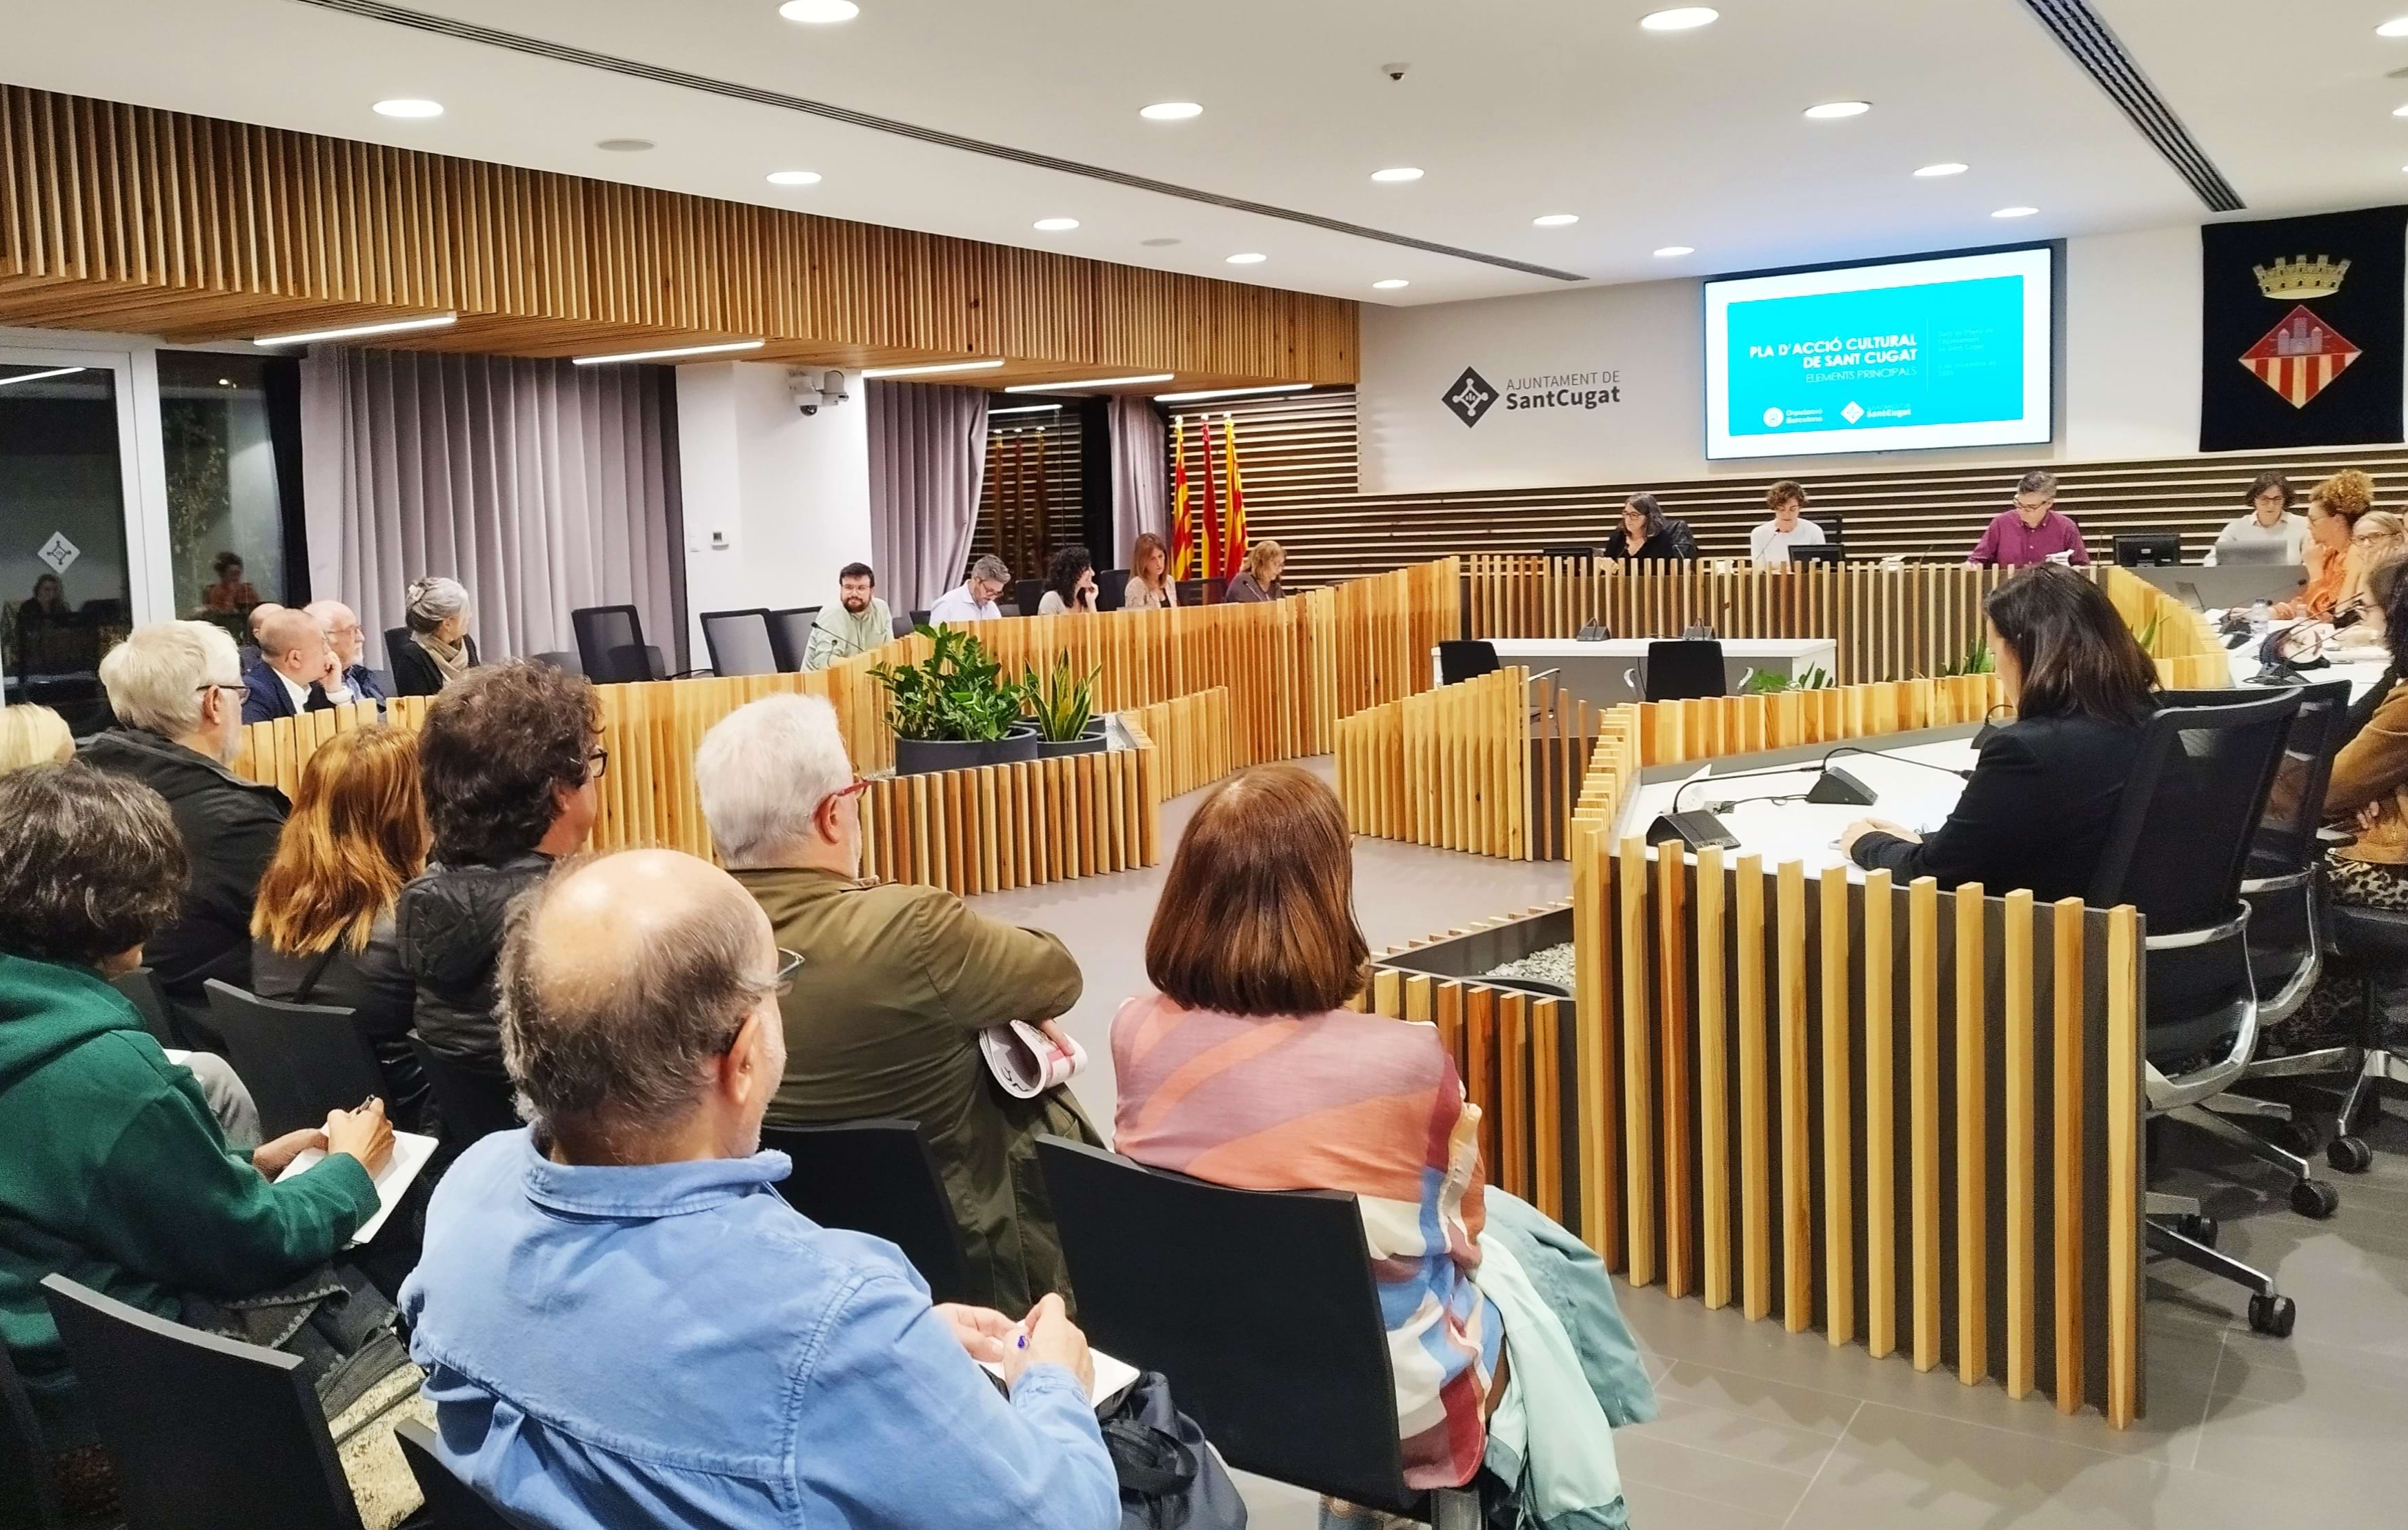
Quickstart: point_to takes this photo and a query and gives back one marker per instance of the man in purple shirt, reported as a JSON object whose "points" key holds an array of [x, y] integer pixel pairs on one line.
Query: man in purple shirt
{"points": [[2031, 533]]}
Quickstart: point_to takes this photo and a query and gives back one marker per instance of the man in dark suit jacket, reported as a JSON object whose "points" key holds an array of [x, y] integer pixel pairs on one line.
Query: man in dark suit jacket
{"points": [[292, 672], [341, 625]]}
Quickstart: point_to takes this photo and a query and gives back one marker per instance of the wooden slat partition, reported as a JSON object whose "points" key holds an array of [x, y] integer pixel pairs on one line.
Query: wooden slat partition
{"points": [[128, 218], [1492, 765]]}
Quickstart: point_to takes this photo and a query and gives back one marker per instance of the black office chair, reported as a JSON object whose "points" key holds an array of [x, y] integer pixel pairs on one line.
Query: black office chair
{"points": [[1464, 658], [739, 642], [1026, 594], [2373, 941], [877, 1176], [141, 985], [204, 1432], [396, 639], [2177, 851], [1682, 670], [28, 1499], [1290, 1377], [453, 1504], [473, 1102], [299, 1060], [562, 660], [790, 637], [610, 645], [905, 625], [1111, 590]]}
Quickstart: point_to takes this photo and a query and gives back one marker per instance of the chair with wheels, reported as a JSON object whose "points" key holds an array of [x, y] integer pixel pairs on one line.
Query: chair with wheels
{"points": [[877, 1176], [1111, 590], [141, 985], [204, 1432], [1291, 1379], [610, 645], [790, 637], [2374, 941], [28, 1497], [2178, 851], [299, 1060], [1464, 659], [1684, 669], [472, 1101], [738, 642], [453, 1504]]}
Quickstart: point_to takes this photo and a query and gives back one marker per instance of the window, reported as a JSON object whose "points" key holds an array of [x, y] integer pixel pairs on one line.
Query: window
{"points": [[63, 572], [230, 426]]}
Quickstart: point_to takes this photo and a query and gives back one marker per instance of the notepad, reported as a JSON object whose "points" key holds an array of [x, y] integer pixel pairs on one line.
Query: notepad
{"points": [[1025, 1061], [411, 1152], [1112, 1378]]}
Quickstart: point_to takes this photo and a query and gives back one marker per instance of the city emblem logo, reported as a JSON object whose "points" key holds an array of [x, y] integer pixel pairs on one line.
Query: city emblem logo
{"points": [[2301, 357], [1469, 397]]}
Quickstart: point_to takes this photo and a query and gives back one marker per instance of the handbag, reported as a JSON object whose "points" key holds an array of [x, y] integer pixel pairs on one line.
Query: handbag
{"points": [[1169, 1478]]}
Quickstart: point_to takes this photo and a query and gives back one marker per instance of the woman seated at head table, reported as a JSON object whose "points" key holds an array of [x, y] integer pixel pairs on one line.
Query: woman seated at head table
{"points": [[1647, 532], [2334, 512], [1245, 1068], [1259, 581], [1069, 584], [2358, 629], [2043, 797], [1151, 587]]}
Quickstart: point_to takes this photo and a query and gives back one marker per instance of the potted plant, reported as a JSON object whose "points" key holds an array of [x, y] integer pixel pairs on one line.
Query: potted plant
{"points": [[1064, 705], [953, 710]]}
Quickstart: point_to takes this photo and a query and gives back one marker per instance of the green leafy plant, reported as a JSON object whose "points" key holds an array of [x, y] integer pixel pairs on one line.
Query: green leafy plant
{"points": [[1767, 682], [1978, 660], [957, 695], [1060, 701], [2148, 634]]}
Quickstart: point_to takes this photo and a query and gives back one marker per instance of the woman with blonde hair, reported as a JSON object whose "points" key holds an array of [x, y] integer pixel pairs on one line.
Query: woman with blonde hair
{"points": [[2334, 512], [1260, 579], [322, 930], [1150, 586], [1245, 1067], [32, 735]]}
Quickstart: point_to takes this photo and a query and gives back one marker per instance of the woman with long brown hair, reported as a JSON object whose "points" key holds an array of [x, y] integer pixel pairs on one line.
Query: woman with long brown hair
{"points": [[1246, 1069], [1151, 587], [322, 927]]}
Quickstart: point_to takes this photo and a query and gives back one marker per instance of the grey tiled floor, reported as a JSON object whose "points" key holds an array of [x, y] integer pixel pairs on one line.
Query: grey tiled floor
{"points": [[1763, 1429]]}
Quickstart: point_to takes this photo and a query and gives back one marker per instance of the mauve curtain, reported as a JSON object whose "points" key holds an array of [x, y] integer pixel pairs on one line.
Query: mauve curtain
{"points": [[1140, 475], [541, 486], [927, 453]]}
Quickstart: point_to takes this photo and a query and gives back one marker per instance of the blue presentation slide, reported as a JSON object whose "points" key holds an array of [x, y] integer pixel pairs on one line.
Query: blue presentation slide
{"points": [[1938, 353]]}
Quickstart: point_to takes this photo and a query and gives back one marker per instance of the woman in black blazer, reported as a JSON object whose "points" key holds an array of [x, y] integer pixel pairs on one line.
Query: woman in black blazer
{"points": [[440, 649], [1647, 532], [2043, 797]]}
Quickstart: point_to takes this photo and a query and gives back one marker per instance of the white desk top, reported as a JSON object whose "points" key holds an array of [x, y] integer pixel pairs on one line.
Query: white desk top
{"points": [[1921, 799], [1635, 648], [2363, 674]]}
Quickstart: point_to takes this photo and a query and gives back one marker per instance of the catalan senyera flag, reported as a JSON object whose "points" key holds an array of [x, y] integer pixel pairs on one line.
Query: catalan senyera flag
{"points": [[1183, 523], [1233, 556], [1211, 523]]}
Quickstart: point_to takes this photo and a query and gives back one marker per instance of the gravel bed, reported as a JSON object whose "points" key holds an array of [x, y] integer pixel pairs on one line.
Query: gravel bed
{"points": [[1552, 964]]}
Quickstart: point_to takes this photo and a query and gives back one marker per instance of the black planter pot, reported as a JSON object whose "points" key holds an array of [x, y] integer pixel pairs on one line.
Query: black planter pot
{"points": [[1094, 739], [927, 756]]}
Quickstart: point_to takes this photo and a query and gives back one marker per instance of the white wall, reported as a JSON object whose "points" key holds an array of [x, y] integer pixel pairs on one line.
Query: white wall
{"points": [[2129, 379], [775, 502]]}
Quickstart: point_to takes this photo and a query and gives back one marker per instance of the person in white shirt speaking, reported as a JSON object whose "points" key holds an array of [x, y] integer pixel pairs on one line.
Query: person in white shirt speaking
{"points": [[1770, 542], [974, 600]]}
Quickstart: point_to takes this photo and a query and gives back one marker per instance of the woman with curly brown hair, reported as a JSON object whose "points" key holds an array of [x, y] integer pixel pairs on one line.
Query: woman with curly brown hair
{"points": [[2334, 574]]}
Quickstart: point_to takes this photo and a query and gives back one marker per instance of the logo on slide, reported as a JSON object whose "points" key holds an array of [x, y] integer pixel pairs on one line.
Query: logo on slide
{"points": [[1469, 397], [1853, 412], [1772, 419]]}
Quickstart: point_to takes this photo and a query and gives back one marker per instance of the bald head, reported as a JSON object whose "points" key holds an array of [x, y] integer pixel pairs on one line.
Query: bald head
{"points": [[341, 625], [627, 985], [292, 643], [260, 615]]}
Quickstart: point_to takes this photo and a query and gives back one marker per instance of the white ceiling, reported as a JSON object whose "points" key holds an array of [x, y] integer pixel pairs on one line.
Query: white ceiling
{"points": [[1542, 105]]}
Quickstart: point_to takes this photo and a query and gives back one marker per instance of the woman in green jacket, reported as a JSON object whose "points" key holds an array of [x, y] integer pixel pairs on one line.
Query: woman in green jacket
{"points": [[112, 1170]]}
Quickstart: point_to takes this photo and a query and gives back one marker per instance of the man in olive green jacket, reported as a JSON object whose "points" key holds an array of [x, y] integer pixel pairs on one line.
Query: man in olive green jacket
{"points": [[897, 983]]}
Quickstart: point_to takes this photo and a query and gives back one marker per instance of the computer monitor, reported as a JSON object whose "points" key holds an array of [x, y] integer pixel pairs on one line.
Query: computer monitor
{"points": [[1819, 552], [2158, 549], [1585, 554]]}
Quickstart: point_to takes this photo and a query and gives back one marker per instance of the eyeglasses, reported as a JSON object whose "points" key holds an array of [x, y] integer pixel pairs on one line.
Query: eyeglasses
{"points": [[237, 687], [782, 982], [860, 785], [597, 762]]}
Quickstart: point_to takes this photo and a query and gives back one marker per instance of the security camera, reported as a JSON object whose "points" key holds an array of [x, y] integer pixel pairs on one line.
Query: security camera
{"points": [[1395, 71], [832, 389], [804, 384]]}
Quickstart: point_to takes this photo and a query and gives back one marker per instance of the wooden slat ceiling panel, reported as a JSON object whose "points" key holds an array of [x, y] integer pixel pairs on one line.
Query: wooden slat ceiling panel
{"points": [[200, 229], [1297, 455]]}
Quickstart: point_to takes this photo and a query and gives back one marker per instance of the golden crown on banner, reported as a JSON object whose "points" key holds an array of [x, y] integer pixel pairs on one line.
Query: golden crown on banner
{"points": [[2293, 279]]}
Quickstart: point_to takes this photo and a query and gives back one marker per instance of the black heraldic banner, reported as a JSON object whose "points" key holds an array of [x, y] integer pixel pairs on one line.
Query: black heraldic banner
{"points": [[2302, 331]]}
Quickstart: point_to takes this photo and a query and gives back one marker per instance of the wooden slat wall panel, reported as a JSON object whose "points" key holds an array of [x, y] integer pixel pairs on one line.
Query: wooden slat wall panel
{"points": [[1299, 453], [1008, 520], [126, 217]]}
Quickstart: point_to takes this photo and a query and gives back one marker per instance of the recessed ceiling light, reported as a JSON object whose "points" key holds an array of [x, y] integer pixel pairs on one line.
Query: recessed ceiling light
{"points": [[1403, 171], [1171, 111], [1249, 258], [794, 177], [2393, 29], [1673, 251], [1681, 18], [2015, 212], [1089, 382], [1945, 167], [1157, 244], [1829, 110], [672, 350], [819, 12], [408, 106], [925, 370], [1391, 284], [626, 146], [1555, 220], [392, 326], [1054, 225], [1230, 393]]}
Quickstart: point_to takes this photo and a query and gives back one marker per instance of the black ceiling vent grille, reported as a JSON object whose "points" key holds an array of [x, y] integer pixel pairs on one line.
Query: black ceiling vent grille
{"points": [[2096, 49], [375, 10]]}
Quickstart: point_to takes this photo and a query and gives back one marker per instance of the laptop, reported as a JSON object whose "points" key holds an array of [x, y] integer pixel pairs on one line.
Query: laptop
{"points": [[2249, 553]]}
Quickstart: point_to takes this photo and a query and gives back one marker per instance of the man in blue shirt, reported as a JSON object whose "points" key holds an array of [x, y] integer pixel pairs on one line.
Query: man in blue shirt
{"points": [[622, 1323]]}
